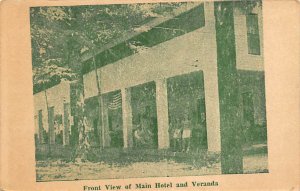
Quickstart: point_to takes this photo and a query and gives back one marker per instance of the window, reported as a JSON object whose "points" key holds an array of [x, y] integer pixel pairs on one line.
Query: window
{"points": [[253, 34], [41, 128]]}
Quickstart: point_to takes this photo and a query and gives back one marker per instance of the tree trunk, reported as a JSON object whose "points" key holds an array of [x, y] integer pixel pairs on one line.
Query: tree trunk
{"points": [[228, 82], [101, 105], [83, 147]]}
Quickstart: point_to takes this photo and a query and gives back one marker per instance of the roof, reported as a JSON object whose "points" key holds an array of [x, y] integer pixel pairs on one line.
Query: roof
{"points": [[42, 87]]}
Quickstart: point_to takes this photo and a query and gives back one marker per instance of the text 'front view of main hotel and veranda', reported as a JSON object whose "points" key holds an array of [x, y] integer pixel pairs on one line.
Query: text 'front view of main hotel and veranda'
{"points": [[179, 93]]}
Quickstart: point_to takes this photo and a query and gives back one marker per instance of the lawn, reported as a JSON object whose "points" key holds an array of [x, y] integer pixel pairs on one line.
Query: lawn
{"points": [[118, 163]]}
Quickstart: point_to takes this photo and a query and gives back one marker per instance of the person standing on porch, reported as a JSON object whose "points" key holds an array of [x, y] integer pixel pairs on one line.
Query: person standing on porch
{"points": [[186, 134], [177, 137]]}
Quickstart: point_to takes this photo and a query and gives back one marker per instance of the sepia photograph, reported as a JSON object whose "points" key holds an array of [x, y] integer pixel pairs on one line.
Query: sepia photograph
{"points": [[139, 90]]}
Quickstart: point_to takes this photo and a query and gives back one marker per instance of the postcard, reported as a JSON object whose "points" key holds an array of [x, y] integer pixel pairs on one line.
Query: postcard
{"points": [[150, 95]]}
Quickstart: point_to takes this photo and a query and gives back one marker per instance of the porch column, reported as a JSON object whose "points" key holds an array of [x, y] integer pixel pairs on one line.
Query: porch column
{"points": [[162, 114], [66, 131], [51, 125], [127, 117], [211, 87], [212, 111], [106, 138], [41, 128]]}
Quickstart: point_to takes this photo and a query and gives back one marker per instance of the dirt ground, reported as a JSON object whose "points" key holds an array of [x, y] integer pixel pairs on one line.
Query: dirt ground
{"points": [[59, 170]]}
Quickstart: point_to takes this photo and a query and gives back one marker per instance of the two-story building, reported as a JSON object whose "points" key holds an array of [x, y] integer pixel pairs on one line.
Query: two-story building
{"points": [[155, 78]]}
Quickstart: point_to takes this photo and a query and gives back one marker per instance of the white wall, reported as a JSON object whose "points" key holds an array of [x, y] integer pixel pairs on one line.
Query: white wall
{"points": [[250, 62], [244, 60]]}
